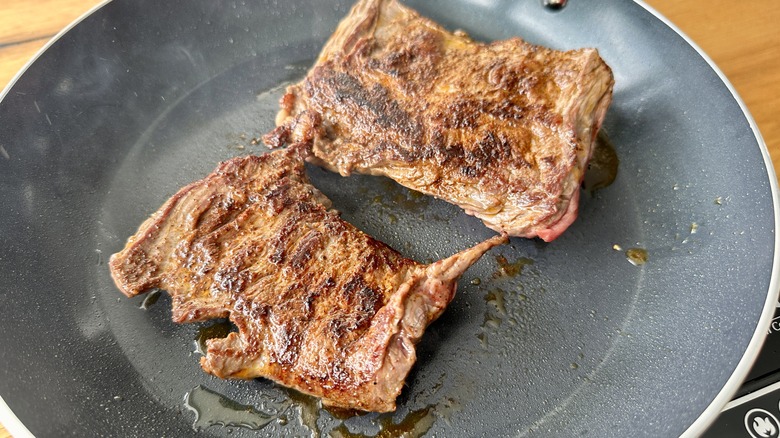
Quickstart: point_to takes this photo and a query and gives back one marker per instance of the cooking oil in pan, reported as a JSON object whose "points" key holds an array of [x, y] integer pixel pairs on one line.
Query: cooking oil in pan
{"points": [[309, 409], [219, 329], [506, 294], [151, 298], [495, 298], [414, 424], [637, 256], [603, 165], [495, 312], [511, 269], [396, 196], [213, 409]]}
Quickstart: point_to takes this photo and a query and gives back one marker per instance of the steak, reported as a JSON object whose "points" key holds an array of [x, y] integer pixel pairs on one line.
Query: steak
{"points": [[503, 130], [320, 306]]}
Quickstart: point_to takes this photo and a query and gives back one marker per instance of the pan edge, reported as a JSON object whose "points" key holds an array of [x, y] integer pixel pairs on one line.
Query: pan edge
{"points": [[707, 417]]}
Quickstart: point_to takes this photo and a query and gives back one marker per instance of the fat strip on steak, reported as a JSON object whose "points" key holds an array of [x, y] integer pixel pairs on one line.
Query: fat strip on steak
{"points": [[319, 305], [503, 130]]}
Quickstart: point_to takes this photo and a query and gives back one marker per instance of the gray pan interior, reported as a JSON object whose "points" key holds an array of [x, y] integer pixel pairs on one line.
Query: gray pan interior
{"points": [[144, 96]]}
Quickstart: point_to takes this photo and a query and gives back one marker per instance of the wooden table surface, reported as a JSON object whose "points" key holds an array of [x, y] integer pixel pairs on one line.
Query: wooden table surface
{"points": [[740, 36]]}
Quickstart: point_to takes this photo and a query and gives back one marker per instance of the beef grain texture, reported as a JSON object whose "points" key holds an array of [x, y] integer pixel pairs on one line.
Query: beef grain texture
{"points": [[320, 306], [503, 130]]}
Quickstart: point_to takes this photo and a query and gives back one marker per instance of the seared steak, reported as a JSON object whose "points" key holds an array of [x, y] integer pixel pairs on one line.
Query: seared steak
{"points": [[504, 130], [319, 305]]}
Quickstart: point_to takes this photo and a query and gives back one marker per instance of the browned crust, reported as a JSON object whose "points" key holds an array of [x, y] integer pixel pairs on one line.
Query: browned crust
{"points": [[319, 305], [503, 130]]}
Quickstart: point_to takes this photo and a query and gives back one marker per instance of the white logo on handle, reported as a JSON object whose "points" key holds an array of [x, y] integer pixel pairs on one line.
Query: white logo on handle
{"points": [[764, 427], [762, 424]]}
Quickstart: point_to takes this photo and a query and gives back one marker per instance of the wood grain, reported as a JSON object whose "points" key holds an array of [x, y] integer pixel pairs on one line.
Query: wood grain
{"points": [[740, 36]]}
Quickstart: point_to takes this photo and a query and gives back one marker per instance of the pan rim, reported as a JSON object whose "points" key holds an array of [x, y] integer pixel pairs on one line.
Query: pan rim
{"points": [[708, 416], [7, 417]]}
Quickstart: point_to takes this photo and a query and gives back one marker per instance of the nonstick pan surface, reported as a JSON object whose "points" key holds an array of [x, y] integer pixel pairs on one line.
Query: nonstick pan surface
{"points": [[543, 339]]}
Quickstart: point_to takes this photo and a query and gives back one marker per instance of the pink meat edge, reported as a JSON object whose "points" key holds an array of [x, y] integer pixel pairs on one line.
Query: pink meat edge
{"points": [[553, 231]]}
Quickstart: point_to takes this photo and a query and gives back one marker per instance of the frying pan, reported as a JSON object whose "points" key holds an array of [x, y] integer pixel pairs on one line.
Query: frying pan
{"points": [[569, 338]]}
